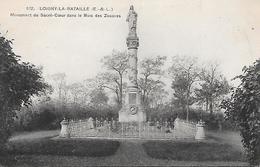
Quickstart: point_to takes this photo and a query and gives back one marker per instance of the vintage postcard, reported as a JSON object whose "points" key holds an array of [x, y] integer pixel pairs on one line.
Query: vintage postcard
{"points": [[127, 83]]}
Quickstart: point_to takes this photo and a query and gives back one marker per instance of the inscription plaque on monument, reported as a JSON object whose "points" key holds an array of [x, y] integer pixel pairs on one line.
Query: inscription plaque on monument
{"points": [[132, 98]]}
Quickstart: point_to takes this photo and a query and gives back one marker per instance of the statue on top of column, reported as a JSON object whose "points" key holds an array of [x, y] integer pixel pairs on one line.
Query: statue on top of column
{"points": [[132, 19]]}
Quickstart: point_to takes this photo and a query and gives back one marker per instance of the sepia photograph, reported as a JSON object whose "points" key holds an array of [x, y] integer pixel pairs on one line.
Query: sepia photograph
{"points": [[129, 83]]}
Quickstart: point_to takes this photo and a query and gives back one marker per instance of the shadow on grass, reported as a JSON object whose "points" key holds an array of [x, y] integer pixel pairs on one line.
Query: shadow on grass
{"points": [[71, 147], [192, 151], [211, 137]]}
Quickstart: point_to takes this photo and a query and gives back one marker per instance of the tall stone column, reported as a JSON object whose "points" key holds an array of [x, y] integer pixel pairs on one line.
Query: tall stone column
{"points": [[132, 109]]}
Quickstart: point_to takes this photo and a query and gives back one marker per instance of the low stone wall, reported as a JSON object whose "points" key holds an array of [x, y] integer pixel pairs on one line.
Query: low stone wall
{"points": [[184, 128], [80, 128]]}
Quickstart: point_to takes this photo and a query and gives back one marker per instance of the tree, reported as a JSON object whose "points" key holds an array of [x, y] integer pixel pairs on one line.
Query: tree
{"points": [[18, 82], [243, 108], [157, 95], [60, 80], [150, 68], [93, 85], [99, 98], [180, 86], [112, 82], [184, 73], [117, 64], [78, 92], [213, 86]]}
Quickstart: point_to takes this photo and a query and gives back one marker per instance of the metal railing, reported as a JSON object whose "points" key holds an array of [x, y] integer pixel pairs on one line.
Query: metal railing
{"points": [[104, 128]]}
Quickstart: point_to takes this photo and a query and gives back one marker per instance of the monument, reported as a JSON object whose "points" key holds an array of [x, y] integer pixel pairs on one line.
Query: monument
{"points": [[132, 109]]}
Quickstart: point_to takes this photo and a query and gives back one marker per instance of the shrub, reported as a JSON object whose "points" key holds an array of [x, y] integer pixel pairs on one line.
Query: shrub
{"points": [[18, 82], [70, 147], [48, 116], [243, 108], [191, 151]]}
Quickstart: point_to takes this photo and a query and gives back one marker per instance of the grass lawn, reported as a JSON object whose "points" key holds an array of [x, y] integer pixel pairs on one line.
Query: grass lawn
{"points": [[192, 151], [39, 149], [70, 147]]}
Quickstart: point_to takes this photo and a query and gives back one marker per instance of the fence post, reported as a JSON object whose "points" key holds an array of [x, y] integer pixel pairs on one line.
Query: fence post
{"points": [[109, 129], [122, 124], [64, 128], [139, 131], [152, 131], [200, 134], [176, 123], [148, 128], [165, 129], [144, 127]]}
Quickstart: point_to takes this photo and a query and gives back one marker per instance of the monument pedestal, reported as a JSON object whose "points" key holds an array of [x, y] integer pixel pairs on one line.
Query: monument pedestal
{"points": [[132, 110]]}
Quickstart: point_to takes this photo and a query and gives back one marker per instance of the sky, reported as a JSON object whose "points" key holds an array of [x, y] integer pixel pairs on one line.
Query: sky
{"points": [[227, 32]]}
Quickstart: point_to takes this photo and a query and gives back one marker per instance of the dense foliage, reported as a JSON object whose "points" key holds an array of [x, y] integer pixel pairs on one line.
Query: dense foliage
{"points": [[149, 82], [213, 86], [184, 72], [116, 64], [244, 109], [18, 82], [48, 115]]}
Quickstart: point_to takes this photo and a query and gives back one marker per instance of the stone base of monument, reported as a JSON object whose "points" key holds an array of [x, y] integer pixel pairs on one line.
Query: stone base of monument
{"points": [[200, 133], [132, 110]]}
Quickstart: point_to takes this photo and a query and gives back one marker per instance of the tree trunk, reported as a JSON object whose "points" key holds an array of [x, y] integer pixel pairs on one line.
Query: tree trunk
{"points": [[118, 99], [207, 104], [187, 104], [145, 90], [187, 112], [211, 106], [121, 90], [143, 98]]}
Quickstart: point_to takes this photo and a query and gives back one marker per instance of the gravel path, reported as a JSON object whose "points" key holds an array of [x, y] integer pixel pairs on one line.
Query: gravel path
{"points": [[34, 135], [229, 137]]}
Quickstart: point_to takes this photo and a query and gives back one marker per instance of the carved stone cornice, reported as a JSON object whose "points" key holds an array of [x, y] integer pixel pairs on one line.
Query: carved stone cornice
{"points": [[132, 42]]}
